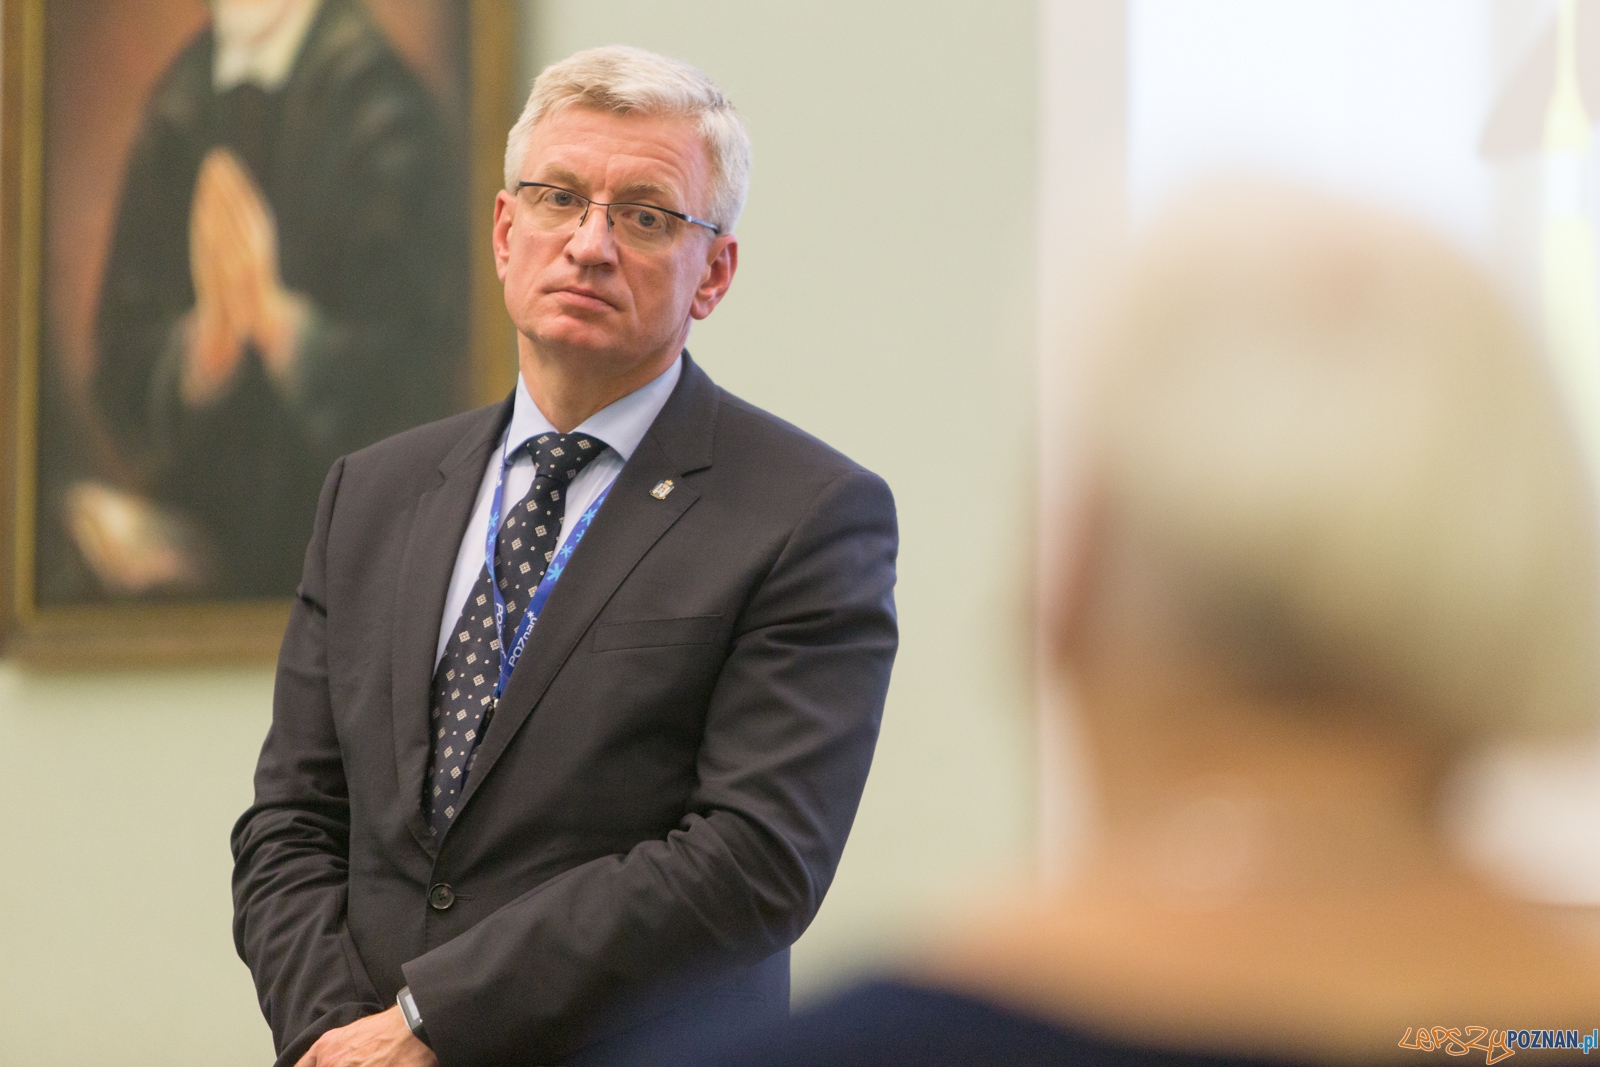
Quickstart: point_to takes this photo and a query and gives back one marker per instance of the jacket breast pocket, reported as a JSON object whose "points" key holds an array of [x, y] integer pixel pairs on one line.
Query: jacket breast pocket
{"points": [[656, 633]]}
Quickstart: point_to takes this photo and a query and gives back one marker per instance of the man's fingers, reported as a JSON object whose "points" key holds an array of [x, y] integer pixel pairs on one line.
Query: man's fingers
{"points": [[231, 266], [239, 190], [232, 243], [205, 268], [231, 175], [227, 279], [237, 203], [247, 230], [233, 217], [210, 187], [207, 228], [231, 167], [242, 214]]}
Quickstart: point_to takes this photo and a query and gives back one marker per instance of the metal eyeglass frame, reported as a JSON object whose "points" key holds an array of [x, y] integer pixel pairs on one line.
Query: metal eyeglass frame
{"points": [[588, 203]]}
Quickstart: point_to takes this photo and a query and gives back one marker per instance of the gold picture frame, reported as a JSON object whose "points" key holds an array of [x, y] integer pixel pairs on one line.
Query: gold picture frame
{"points": [[94, 625]]}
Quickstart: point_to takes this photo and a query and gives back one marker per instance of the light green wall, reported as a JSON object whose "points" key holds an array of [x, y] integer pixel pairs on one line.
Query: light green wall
{"points": [[119, 791], [885, 302]]}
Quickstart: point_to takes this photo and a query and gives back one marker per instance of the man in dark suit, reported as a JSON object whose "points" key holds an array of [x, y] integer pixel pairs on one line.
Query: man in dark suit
{"points": [[479, 840]]}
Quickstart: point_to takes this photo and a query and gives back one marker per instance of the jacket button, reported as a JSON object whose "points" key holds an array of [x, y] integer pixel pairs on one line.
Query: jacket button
{"points": [[441, 896]]}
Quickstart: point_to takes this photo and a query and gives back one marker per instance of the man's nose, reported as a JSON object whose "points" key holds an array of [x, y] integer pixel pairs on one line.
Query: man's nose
{"points": [[592, 241]]}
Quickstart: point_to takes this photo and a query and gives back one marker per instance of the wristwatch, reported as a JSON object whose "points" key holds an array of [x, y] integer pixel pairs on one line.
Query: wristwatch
{"points": [[413, 1017]]}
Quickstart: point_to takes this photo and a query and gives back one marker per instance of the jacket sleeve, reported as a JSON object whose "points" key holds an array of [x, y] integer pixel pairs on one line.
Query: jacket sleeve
{"points": [[291, 847], [788, 739]]}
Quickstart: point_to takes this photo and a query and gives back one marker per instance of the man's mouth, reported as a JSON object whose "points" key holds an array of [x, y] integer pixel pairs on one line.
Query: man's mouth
{"points": [[583, 297]]}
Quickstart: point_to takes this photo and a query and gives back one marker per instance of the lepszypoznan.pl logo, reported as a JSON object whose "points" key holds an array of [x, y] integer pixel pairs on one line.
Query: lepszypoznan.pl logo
{"points": [[1496, 1045]]}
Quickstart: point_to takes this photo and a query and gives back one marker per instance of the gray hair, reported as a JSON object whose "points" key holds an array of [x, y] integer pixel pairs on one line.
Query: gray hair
{"points": [[1328, 438], [628, 80]]}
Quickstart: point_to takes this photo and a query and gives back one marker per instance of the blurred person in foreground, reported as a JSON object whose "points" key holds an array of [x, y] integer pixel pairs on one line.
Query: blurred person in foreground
{"points": [[1334, 531]]}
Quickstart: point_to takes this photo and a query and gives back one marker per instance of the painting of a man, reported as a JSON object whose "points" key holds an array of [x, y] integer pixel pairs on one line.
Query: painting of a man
{"points": [[286, 282]]}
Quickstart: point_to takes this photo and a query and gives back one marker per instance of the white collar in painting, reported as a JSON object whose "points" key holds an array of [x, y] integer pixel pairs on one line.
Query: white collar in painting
{"points": [[258, 40]]}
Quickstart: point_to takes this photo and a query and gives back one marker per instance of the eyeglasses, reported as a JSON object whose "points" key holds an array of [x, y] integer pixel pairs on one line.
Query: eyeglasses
{"points": [[642, 226]]}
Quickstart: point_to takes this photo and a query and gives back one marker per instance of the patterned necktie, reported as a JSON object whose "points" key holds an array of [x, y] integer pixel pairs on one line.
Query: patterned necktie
{"points": [[464, 681]]}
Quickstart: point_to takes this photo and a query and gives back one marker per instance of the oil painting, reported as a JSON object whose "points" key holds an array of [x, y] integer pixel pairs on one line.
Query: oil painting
{"points": [[245, 248]]}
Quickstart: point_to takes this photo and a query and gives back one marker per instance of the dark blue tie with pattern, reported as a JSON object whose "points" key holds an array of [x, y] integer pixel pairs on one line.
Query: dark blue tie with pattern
{"points": [[464, 681]]}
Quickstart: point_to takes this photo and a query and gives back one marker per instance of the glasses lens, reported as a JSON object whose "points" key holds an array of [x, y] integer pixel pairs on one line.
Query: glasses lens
{"points": [[553, 209], [642, 226]]}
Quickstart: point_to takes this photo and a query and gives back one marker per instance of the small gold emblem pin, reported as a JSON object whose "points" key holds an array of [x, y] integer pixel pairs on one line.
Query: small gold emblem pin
{"points": [[660, 491]]}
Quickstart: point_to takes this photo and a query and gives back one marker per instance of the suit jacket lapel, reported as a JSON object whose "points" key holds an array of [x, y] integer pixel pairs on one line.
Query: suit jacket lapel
{"points": [[437, 525], [630, 521]]}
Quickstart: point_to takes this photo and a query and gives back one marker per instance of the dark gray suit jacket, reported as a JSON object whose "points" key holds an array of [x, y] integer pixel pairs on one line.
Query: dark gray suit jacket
{"points": [[666, 789]]}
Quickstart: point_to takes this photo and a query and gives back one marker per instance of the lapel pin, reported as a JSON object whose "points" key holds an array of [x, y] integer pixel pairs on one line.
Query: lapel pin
{"points": [[662, 489]]}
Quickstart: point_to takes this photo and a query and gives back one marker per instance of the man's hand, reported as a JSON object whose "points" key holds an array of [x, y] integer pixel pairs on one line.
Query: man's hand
{"points": [[239, 295], [381, 1040]]}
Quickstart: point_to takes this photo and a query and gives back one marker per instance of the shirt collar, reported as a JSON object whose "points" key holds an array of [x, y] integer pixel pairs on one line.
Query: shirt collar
{"points": [[621, 424], [257, 42]]}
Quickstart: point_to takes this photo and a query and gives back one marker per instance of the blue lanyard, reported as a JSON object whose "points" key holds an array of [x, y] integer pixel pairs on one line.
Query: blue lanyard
{"points": [[510, 654]]}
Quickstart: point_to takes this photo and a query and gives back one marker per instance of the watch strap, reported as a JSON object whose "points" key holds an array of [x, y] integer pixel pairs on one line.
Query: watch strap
{"points": [[413, 1017]]}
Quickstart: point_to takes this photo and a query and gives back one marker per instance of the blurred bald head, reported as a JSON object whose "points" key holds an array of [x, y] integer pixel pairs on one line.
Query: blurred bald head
{"points": [[1326, 456]]}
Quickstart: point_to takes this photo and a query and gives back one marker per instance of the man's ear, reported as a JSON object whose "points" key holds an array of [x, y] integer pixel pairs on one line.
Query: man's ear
{"points": [[722, 260], [505, 212]]}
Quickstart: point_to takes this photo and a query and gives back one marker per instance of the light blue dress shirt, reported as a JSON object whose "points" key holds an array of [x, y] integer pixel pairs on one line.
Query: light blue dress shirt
{"points": [[621, 424]]}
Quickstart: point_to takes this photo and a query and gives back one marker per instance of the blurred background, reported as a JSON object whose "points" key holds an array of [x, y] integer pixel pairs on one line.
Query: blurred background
{"points": [[940, 189]]}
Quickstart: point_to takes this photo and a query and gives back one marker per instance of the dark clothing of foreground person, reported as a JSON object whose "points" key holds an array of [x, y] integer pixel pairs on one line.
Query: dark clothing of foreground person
{"points": [[893, 1024]]}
